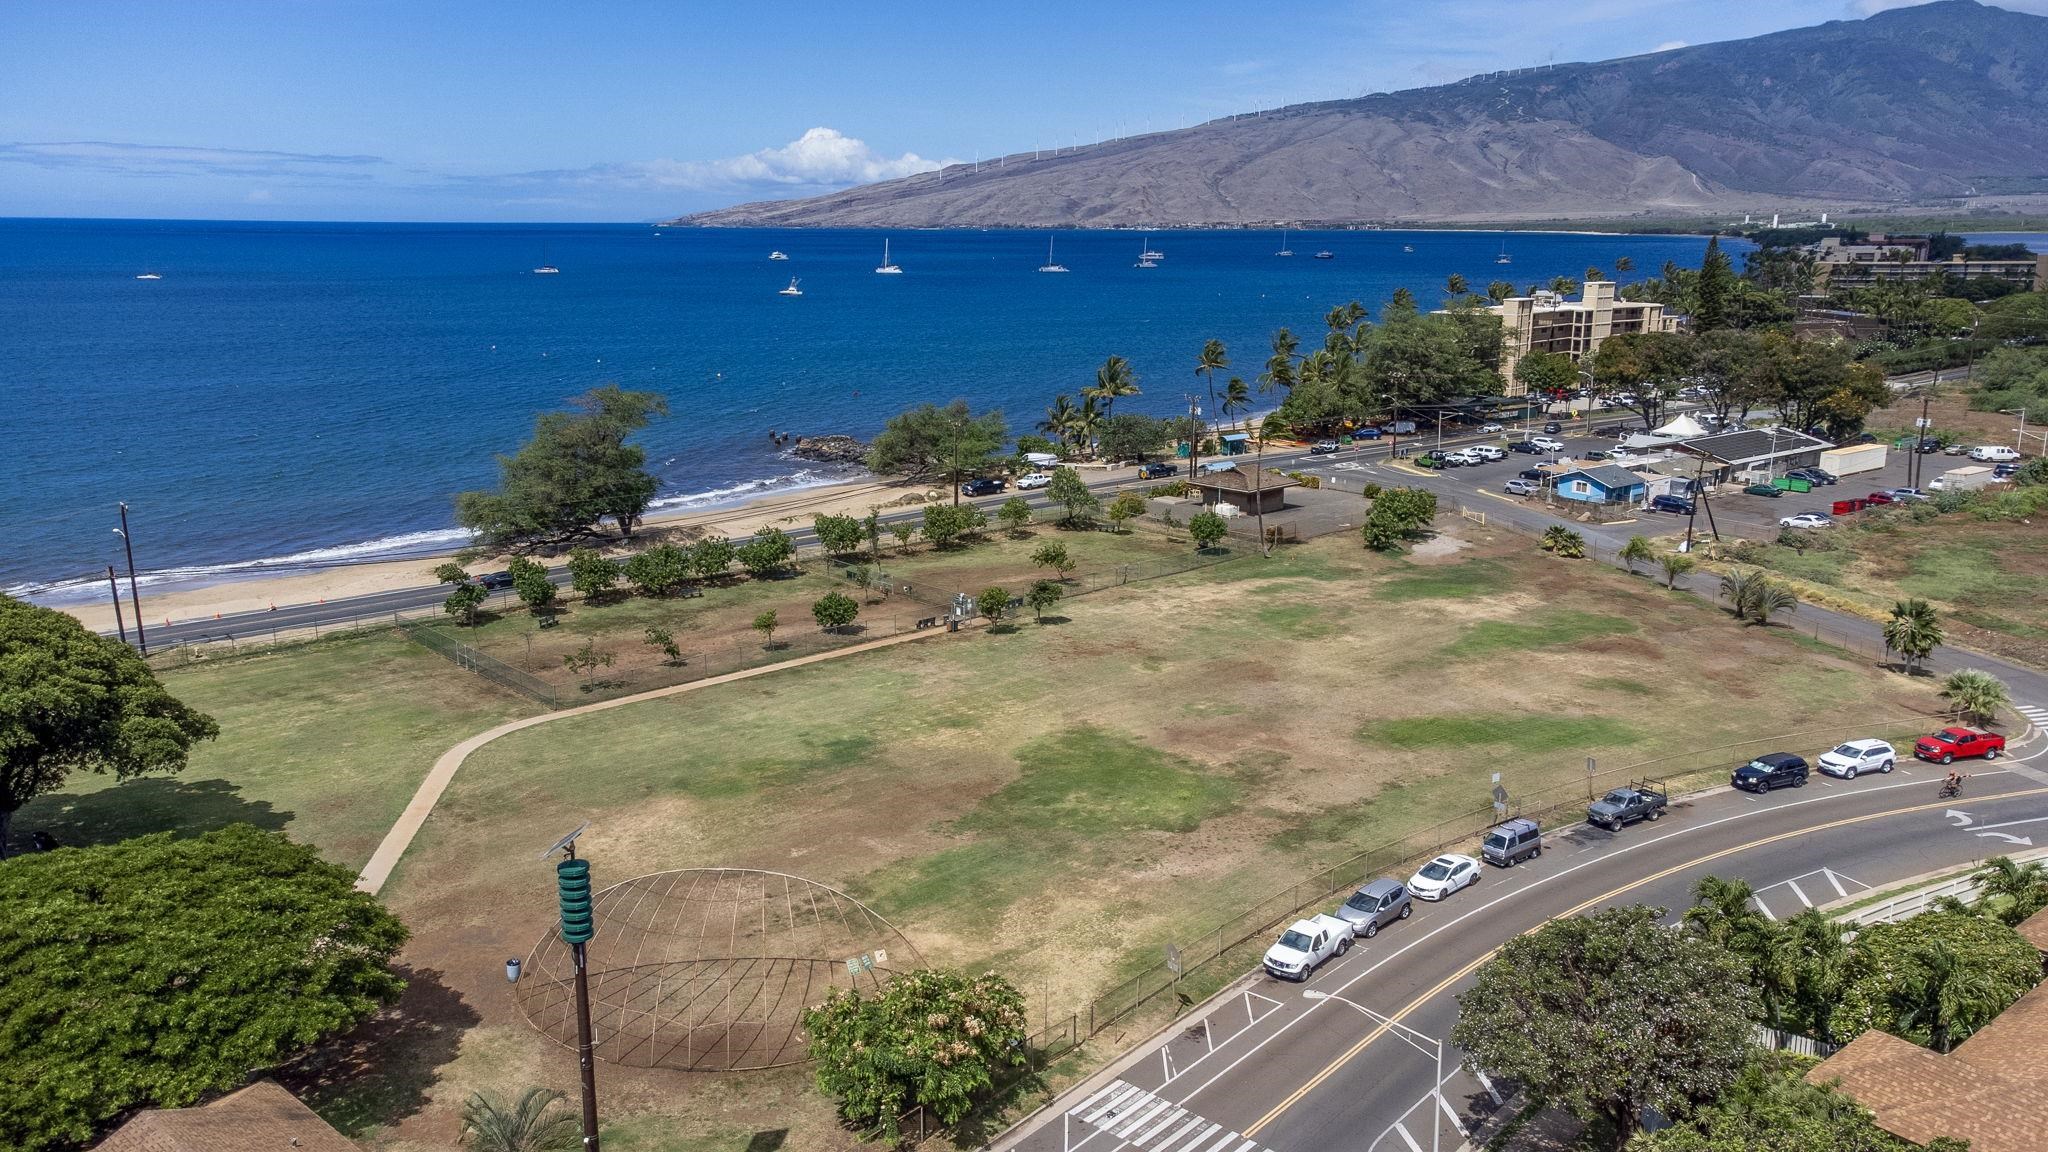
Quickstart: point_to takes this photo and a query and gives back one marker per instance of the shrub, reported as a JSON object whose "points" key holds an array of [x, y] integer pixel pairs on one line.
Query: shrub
{"points": [[590, 573], [1015, 515], [927, 1038], [1053, 554], [838, 534], [1559, 540], [1954, 500], [994, 603], [1127, 506], [835, 610], [1170, 488], [767, 553], [1371, 492], [1897, 973], [1207, 528], [711, 556], [531, 582]]}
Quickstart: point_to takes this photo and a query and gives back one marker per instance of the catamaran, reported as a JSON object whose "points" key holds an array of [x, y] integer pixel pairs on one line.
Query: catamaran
{"points": [[1326, 254], [1284, 249], [1049, 266], [1150, 253], [149, 276], [547, 270], [1503, 258], [792, 290], [778, 254], [888, 269]]}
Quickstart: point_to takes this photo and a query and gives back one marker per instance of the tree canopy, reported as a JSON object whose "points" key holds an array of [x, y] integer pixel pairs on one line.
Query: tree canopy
{"points": [[1771, 1109], [575, 472], [931, 441], [202, 960], [72, 701]]}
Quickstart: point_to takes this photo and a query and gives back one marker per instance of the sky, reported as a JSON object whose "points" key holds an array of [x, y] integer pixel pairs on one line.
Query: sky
{"points": [[454, 110]]}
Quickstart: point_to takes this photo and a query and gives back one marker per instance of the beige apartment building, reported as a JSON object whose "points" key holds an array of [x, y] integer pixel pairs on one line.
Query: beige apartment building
{"points": [[1839, 265], [1547, 322]]}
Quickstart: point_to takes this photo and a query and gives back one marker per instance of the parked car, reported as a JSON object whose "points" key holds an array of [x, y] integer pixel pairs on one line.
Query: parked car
{"points": [[1536, 474], [1464, 458], [1399, 428], [1994, 454], [494, 580], [1813, 475], [1521, 487], [1491, 429], [1033, 480], [1306, 944], [1641, 800], [982, 486], [1487, 452], [1552, 427], [1667, 503], [2004, 471], [1952, 744], [1593, 454], [1909, 494], [1529, 447], [1763, 490], [1152, 471], [1857, 757], [1378, 903], [1444, 875], [1322, 448], [1805, 520], [1508, 844], [1365, 434], [1548, 443], [1956, 450], [1928, 444], [1771, 770], [1879, 498], [1429, 460]]}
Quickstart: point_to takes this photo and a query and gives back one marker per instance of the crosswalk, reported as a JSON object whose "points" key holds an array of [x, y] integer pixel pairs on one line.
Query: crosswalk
{"points": [[2038, 717], [1130, 1115]]}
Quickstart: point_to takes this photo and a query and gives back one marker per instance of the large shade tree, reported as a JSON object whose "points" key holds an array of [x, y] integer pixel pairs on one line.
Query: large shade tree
{"points": [[574, 473], [72, 701], [932, 441], [154, 971]]}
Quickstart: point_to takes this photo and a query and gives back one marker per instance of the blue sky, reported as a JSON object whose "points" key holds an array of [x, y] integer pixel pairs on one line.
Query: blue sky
{"points": [[424, 110]]}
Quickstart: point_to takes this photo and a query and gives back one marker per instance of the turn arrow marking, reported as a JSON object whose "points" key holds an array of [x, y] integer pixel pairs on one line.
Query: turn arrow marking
{"points": [[2026, 841], [1962, 819]]}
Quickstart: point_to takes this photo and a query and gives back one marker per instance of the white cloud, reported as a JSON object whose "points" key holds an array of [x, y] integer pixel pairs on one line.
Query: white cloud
{"points": [[820, 158], [178, 160], [1669, 45]]}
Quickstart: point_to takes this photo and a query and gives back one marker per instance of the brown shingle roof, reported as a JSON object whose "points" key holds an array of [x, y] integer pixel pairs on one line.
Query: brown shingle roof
{"points": [[1240, 478], [2034, 930], [260, 1118], [1992, 1090]]}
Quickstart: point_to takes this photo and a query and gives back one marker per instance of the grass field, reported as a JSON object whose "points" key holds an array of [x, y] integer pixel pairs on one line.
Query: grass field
{"points": [[1057, 801]]}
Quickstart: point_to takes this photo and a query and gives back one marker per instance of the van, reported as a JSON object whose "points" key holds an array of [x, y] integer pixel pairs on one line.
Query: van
{"points": [[1507, 845], [1399, 428], [1994, 454]]}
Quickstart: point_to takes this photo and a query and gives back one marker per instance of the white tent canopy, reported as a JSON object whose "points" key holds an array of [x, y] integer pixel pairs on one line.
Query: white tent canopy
{"points": [[1683, 428]]}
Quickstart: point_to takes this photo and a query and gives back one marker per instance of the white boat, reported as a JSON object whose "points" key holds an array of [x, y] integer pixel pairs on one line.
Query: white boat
{"points": [[1151, 253], [888, 269], [1049, 266], [1407, 247], [792, 290], [778, 254], [1284, 249], [1503, 258], [149, 276], [547, 270], [1326, 254]]}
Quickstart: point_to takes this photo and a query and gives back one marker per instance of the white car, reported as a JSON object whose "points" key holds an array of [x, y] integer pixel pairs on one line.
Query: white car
{"points": [[1805, 520], [1443, 876], [1306, 944], [1856, 757], [1547, 443], [1488, 452], [1491, 429], [1033, 480]]}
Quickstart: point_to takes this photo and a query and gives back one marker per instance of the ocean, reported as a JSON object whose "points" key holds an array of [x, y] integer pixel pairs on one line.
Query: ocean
{"points": [[289, 396]]}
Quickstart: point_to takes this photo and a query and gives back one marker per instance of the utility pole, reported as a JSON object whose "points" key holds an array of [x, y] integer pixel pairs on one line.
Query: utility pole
{"points": [[114, 586], [135, 597], [572, 884], [1919, 436], [1194, 441]]}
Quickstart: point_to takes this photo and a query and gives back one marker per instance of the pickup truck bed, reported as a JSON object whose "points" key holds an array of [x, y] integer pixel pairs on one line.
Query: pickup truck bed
{"points": [[1641, 800]]}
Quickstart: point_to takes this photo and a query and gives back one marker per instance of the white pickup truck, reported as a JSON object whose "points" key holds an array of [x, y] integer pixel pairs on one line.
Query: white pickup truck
{"points": [[1306, 944]]}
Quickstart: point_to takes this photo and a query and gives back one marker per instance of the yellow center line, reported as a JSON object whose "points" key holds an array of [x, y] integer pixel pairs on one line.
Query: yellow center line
{"points": [[1379, 1030]]}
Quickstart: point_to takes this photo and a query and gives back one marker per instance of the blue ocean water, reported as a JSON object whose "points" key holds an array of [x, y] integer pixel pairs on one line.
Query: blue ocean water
{"points": [[290, 395]]}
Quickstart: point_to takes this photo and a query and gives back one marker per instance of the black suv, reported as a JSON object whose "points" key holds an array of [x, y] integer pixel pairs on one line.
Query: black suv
{"points": [[1678, 504], [1813, 475], [1156, 469], [982, 486], [1525, 446], [1772, 770], [494, 580]]}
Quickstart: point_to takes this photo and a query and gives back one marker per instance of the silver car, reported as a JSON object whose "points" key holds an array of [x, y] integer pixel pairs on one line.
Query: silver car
{"points": [[1381, 901]]}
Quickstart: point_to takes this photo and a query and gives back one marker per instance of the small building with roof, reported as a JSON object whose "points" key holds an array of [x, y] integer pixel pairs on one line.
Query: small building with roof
{"points": [[1599, 484], [1242, 486], [260, 1118], [1729, 454]]}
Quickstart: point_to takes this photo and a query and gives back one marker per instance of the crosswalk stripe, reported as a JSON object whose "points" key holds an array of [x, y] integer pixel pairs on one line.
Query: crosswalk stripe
{"points": [[1408, 1139], [1144, 1116], [1220, 1145], [1247, 1146], [1098, 1098], [1124, 1091], [1156, 1129], [1132, 1115], [1190, 1126]]}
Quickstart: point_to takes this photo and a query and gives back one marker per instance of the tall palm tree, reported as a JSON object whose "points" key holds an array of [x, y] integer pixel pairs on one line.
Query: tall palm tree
{"points": [[1237, 397], [1913, 631], [1059, 419], [1949, 996], [1593, 272], [1112, 381], [1624, 264], [1500, 290], [1563, 285], [529, 1124], [1088, 420], [2023, 886], [1455, 285], [1214, 357], [1803, 972], [1724, 914], [1279, 371]]}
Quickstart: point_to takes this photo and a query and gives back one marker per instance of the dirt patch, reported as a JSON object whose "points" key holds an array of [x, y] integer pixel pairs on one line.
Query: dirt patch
{"points": [[1439, 547]]}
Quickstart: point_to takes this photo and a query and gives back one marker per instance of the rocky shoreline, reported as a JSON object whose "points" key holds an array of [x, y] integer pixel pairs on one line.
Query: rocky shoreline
{"points": [[830, 450]]}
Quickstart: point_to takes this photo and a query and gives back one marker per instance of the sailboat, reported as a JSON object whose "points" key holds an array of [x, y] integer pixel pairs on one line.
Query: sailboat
{"points": [[1503, 258], [149, 276], [778, 254], [1326, 254], [887, 269], [1049, 266], [1150, 253], [792, 290], [1407, 247], [1284, 249]]}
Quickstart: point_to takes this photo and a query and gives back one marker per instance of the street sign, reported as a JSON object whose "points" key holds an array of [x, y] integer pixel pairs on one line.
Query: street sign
{"points": [[1173, 960], [1500, 809], [882, 957], [1496, 777], [1590, 769], [867, 962], [1922, 422], [853, 966]]}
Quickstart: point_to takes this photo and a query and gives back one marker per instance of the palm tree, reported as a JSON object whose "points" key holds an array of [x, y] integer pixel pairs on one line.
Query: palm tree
{"points": [[1769, 599], [1214, 356], [1563, 285], [1060, 419], [1112, 381], [1499, 290], [1401, 303], [2023, 886], [530, 1124], [1455, 285], [1975, 696], [1738, 587], [1087, 422], [1948, 996], [1675, 564], [1593, 273], [1279, 371], [1913, 631], [1637, 549], [1803, 971], [1562, 541], [1624, 264], [1237, 397]]}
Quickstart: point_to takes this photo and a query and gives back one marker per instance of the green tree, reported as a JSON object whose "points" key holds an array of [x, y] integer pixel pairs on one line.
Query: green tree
{"points": [[1642, 371], [1913, 631], [531, 1123], [1214, 358], [155, 971], [1053, 554], [1043, 594], [1546, 373], [1771, 1108], [1675, 564], [712, 556], [945, 525], [1559, 540], [834, 611], [530, 581], [931, 1038], [838, 535], [1933, 979], [902, 530], [1500, 290], [1975, 696], [1593, 273], [665, 640], [1015, 515], [1713, 289], [1133, 436], [765, 624], [1113, 381], [871, 531], [449, 572], [1207, 528], [2014, 891], [1610, 1014], [658, 571], [1564, 285], [1624, 264], [576, 471], [1754, 596], [72, 701], [932, 441], [1126, 506], [585, 661], [1638, 550], [1062, 420], [1400, 304], [1071, 492], [769, 552], [1237, 398], [463, 601], [1455, 285], [994, 603], [591, 574]]}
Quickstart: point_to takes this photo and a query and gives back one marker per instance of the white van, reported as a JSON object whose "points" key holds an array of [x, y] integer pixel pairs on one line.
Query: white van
{"points": [[1994, 454]]}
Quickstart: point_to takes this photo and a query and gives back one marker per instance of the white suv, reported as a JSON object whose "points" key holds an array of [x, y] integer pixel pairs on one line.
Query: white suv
{"points": [[1487, 452], [1855, 757], [1994, 454], [1547, 443]]}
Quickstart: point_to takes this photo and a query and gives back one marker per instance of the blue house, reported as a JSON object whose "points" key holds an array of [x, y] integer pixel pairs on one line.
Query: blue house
{"points": [[1601, 484], [1235, 443]]}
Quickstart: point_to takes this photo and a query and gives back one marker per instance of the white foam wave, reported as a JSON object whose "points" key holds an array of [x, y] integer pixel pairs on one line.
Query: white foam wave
{"points": [[382, 548], [741, 492]]}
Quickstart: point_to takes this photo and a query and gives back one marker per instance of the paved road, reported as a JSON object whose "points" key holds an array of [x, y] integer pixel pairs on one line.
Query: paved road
{"points": [[1262, 1067]]}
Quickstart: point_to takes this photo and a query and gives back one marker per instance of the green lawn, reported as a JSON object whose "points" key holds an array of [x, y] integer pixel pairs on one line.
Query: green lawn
{"points": [[1546, 630]]}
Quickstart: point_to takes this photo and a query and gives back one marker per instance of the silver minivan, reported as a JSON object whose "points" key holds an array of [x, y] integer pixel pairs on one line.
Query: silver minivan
{"points": [[1507, 845], [1381, 901]]}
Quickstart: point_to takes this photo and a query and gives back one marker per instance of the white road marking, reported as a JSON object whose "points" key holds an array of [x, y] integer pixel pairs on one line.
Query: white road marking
{"points": [[1170, 1141], [1144, 1116], [1131, 1116], [1799, 892], [1123, 1092], [1486, 1083], [1839, 890], [1453, 1114], [1156, 1129], [1402, 1130]]}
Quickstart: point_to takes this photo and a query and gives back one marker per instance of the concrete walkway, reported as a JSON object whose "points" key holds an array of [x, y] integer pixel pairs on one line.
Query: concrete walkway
{"points": [[396, 841]]}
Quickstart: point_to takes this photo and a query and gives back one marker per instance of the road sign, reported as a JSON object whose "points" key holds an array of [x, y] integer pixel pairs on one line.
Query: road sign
{"points": [[1173, 960], [867, 962], [1591, 768], [1922, 422], [853, 966], [882, 957], [1500, 809], [1496, 777]]}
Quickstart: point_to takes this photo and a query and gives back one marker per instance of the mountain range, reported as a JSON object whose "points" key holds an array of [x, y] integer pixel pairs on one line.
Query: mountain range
{"points": [[1936, 102]]}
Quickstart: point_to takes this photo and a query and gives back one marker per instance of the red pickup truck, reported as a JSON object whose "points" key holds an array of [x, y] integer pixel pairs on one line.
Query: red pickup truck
{"points": [[1951, 744]]}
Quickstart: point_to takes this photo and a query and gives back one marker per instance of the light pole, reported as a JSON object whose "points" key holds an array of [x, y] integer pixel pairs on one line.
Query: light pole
{"points": [[1428, 1045], [1440, 434]]}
